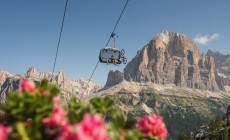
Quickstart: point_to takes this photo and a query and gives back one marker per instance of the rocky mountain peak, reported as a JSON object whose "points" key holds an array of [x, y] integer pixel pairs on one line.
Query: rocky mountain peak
{"points": [[32, 72], [45, 75], [3, 76], [222, 62], [176, 44], [213, 52], [172, 58], [114, 77], [60, 77]]}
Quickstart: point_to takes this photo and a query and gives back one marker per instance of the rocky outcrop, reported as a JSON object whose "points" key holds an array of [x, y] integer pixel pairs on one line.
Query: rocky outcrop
{"points": [[89, 86], [61, 79], [222, 63], [11, 83], [46, 75], [114, 78], [32, 72], [3, 76], [172, 58]]}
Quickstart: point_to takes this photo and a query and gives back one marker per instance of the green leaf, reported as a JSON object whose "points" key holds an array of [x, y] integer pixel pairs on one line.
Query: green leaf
{"points": [[113, 112], [22, 131], [119, 121], [108, 102]]}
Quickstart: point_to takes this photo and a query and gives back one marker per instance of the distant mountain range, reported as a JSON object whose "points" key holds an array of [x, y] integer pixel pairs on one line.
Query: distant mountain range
{"points": [[69, 87]]}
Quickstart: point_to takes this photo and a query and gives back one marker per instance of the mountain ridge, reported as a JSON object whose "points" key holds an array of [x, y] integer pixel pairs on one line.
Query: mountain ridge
{"points": [[69, 88]]}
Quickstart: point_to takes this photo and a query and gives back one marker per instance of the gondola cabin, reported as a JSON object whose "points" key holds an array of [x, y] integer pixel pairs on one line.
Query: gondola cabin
{"points": [[112, 56]]}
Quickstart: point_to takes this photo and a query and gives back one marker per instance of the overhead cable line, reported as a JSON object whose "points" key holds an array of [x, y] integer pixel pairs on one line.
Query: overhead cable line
{"points": [[106, 44], [59, 39], [117, 23]]}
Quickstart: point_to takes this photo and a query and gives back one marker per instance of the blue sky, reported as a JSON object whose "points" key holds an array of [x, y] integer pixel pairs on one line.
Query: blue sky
{"points": [[29, 31]]}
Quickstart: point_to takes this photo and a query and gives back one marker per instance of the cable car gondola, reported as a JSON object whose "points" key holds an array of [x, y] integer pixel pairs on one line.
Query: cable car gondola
{"points": [[112, 55]]}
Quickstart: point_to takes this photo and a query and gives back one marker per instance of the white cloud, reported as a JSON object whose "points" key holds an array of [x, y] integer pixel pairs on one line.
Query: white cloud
{"points": [[205, 39]]}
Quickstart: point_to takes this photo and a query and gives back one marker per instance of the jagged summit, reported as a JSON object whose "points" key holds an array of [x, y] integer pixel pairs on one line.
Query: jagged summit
{"points": [[173, 58], [215, 52], [212, 52], [166, 34], [4, 75], [173, 42], [32, 72]]}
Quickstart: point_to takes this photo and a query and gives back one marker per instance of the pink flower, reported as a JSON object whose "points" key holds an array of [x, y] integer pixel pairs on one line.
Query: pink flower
{"points": [[4, 132], [26, 85], [46, 92], [153, 125], [67, 133], [91, 128], [55, 99], [58, 117]]}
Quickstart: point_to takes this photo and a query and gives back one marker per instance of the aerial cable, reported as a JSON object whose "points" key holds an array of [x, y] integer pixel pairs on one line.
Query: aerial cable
{"points": [[117, 22], [107, 44], [59, 39]]}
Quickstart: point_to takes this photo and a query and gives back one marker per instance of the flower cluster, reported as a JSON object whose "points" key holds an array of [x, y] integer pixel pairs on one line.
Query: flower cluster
{"points": [[153, 126], [4, 132], [27, 85], [48, 119], [90, 128], [58, 117]]}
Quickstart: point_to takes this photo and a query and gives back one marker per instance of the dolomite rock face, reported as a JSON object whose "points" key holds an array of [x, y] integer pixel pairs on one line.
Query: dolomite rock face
{"points": [[114, 78], [173, 58], [61, 78], [32, 72], [222, 63], [45, 75], [3, 76]]}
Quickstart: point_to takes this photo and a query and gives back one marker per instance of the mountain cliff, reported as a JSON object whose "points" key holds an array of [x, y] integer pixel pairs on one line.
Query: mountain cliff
{"points": [[173, 58]]}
